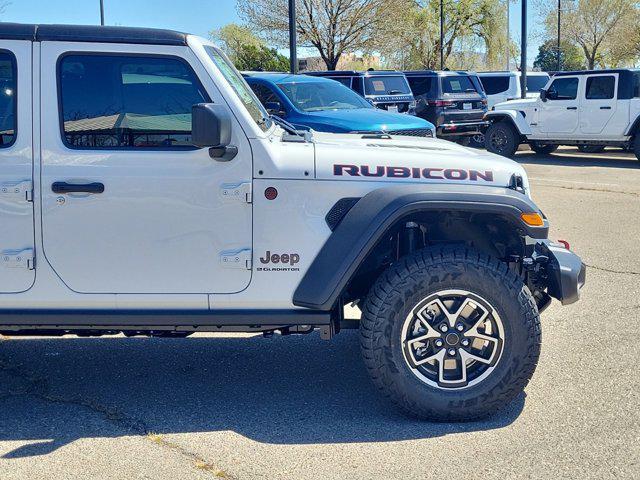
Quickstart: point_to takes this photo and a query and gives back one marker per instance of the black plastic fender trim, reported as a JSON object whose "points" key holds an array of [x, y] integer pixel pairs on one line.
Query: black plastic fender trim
{"points": [[365, 224]]}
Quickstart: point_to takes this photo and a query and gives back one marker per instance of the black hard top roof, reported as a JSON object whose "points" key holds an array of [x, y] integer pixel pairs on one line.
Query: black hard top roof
{"points": [[435, 73], [352, 73], [90, 33], [590, 72]]}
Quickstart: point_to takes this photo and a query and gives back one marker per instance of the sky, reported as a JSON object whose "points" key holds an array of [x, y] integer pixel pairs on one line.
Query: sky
{"points": [[194, 16]]}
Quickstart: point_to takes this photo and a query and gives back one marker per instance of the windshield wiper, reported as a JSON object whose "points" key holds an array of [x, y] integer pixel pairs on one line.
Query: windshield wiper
{"points": [[304, 136]]}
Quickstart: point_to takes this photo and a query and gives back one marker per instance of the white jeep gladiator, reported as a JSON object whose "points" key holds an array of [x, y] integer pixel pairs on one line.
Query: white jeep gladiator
{"points": [[589, 109], [146, 191]]}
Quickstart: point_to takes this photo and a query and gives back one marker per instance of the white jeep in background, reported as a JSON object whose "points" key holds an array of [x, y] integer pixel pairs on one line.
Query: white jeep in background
{"points": [[587, 109], [145, 190]]}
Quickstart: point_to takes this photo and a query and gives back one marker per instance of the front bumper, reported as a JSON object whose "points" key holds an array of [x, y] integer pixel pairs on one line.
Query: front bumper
{"points": [[565, 271], [457, 129]]}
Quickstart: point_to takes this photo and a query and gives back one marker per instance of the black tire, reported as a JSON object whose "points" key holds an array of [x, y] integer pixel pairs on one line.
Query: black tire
{"points": [[636, 146], [591, 148], [403, 286], [501, 138], [543, 149]]}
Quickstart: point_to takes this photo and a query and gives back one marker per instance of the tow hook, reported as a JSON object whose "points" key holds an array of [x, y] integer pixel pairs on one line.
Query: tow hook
{"points": [[537, 259]]}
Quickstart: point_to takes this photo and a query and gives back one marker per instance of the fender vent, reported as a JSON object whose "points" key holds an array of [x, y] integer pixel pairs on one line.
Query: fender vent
{"points": [[339, 210]]}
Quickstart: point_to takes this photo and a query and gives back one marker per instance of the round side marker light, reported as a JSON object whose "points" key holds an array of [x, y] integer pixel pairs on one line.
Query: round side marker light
{"points": [[270, 193]]}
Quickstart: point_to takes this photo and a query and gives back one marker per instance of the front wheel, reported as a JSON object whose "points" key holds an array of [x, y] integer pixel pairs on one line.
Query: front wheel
{"points": [[543, 149], [450, 334], [501, 138]]}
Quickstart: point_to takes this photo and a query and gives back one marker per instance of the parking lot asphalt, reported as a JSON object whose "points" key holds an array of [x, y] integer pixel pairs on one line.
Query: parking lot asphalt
{"points": [[243, 407]]}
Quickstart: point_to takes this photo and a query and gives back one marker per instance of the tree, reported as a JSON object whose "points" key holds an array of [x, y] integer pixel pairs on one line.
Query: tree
{"points": [[233, 37], [333, 27], [600, 29], [474, 29], [547, 59], [247, 51], [261, 58]]}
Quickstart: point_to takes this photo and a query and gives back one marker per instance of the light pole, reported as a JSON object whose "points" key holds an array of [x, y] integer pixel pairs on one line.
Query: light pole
{"points": [[441, 34], [558, 52], [508, 37], [523, 51], [102, 12], [293, 54]]}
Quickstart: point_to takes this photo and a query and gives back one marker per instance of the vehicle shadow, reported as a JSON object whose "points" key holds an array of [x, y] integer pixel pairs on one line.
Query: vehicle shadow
{"points": [[293, 390], [571, 158]]}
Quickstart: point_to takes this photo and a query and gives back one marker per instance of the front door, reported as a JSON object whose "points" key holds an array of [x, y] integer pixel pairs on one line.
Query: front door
{"points": [[598, 104], [128, 204], [560, 114], [17, 263]]}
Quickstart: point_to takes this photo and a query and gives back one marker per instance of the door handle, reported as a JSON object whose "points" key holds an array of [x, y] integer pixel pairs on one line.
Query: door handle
{"points": [[572, 108], [64, 187], [605, 108]]}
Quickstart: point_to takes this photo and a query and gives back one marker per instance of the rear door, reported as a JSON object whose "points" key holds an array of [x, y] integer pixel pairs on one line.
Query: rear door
{"points": [[560, 114], [598, 103], [129, 204], [17, 265]]}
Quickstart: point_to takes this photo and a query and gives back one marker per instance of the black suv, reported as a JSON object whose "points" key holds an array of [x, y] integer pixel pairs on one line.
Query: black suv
{"points": [[453, 101], [385, 89]]}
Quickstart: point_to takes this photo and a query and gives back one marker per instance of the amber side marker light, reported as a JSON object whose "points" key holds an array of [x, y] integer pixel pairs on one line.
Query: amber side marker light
{"points": [[532, 219]]}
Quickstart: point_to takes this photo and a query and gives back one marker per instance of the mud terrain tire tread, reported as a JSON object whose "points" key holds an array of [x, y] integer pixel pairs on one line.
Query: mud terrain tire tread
{"points": [[411, 276]]}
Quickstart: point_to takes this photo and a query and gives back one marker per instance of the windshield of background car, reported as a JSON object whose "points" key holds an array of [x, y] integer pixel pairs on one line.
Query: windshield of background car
{"points": [[240, 86], [320, 96], [458, 84], [536, 83], [386, 85]]}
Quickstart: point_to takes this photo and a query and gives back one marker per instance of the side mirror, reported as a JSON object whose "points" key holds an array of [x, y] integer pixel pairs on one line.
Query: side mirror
{"points": [[543, 95], [211, 128], [274, 108]]}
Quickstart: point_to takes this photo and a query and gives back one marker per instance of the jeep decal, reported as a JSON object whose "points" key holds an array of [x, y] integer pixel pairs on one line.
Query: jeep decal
{"points": [[412, 172]]}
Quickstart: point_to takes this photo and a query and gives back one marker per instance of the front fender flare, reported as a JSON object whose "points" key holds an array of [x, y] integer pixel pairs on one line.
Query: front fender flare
{"points": [[375, 213], [516, 118]]}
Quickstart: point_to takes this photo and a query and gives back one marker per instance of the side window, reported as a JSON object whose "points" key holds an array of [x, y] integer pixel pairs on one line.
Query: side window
{"points": [[264, 93], [357, 85], [495, 84], [563, 89], [601, 87], [420, 85], [117, 101], [7, 99]]}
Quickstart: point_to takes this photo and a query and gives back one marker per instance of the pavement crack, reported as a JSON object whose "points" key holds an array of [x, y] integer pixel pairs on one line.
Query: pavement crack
{"points": [[610, 270], [591, 189], [38, 387]]}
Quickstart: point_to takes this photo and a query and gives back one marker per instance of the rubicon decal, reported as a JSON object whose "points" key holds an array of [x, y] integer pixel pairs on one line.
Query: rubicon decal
{"points": [[413, 172], [287, 260]]}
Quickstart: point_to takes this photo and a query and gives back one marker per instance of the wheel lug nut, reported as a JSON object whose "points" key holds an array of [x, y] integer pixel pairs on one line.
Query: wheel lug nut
{"points": [[460, 327], [465, 342], [452, 351], [443, 328], [438, 343]]}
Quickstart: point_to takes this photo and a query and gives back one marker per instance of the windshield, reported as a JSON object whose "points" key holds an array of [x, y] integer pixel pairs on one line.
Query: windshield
{"points": [[239, 85], [536, 82], [386, 85], [458, 84], [319, 96]]}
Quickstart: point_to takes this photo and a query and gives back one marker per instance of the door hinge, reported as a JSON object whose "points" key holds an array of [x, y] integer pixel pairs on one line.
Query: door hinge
{"points": [[237, 192], [18, 259], [22, 190], [236, 259]]}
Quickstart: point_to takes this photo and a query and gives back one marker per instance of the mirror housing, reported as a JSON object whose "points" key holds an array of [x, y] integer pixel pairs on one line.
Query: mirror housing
{"points": [[543, 95], [211, 128]]}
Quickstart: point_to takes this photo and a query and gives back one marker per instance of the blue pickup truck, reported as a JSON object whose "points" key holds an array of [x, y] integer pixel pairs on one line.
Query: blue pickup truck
{"points": [[326, 105]]}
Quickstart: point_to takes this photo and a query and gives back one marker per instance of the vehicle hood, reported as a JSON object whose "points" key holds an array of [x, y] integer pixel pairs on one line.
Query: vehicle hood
{"points": [[367, 120], [516, 104], [350, 157]]}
